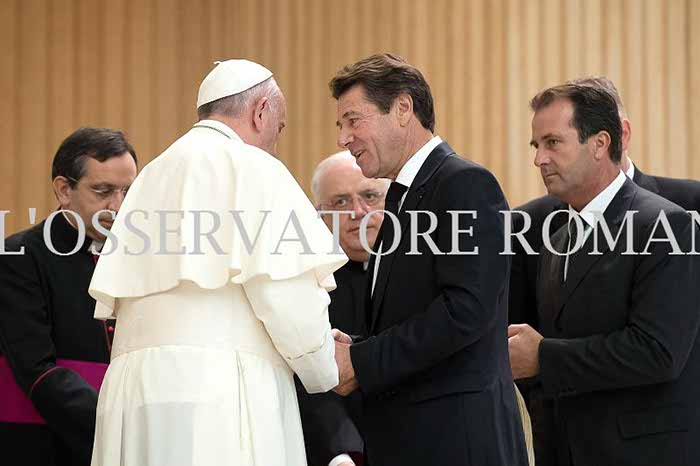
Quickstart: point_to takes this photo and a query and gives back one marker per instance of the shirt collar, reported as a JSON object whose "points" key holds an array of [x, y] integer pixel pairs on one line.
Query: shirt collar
{"points": [[630, 171], [412, 167], [219, 127], [600, 202]]}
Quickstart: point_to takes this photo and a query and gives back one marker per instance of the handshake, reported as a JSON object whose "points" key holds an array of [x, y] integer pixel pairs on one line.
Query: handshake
{"points": [[346, 373]]}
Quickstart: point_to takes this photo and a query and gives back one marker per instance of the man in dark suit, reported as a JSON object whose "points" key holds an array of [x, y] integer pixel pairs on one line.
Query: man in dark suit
{"points": [[53, 352], [523, 275], [618, 352], [433, 368], [333, 424]]}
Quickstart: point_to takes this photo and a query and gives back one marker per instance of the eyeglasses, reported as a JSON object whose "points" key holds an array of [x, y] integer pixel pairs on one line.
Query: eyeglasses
{"points": [[368, 198], [104, 193]]}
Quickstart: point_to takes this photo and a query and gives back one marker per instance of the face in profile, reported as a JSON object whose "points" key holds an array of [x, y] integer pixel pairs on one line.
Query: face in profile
{"points": [[102, 187], [371, 136], [562, 159], [344, 188], [274, 123]]}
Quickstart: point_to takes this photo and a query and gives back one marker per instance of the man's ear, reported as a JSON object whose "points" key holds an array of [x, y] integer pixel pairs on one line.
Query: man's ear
{"points": [[262, 106], [602, 144], [62, 190], [403, 106], [626, 134]]}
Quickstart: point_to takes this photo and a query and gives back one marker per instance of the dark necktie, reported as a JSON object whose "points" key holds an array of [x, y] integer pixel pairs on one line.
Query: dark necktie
{"points": [[571, 244], [386, 233], [391, 204]]}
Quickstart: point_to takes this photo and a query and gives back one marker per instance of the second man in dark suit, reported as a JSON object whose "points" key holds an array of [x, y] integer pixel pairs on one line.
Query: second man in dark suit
{"points": [[617, 352]]}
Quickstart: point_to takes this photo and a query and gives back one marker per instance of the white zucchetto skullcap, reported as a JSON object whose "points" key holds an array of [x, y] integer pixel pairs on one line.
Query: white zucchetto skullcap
{"points": [[231, 77]]}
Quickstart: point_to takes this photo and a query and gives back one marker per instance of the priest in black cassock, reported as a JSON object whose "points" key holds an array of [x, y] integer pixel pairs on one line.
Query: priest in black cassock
{"points": [[53, 352], [331, 423]]}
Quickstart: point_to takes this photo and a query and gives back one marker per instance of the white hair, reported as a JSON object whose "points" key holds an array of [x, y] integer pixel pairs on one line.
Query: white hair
{"points": [[330, 161], [238, 104], [325, 164]]}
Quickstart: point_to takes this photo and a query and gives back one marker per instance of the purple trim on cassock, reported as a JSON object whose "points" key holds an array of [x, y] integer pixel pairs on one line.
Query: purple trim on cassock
{"points": [[15, 407]]}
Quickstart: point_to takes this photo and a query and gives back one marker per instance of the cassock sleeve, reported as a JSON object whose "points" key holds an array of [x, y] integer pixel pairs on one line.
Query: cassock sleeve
{"points": [[295, 314], [329, 431], [63, 399]]}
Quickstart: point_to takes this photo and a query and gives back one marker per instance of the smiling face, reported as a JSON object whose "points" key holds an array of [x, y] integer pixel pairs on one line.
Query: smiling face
{"points": [[372, 137], [564, 162], [343, 187]]}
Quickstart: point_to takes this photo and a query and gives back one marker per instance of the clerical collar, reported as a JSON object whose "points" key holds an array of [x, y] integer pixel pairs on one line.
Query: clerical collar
{"points": [[218, 127], [64, 236]]}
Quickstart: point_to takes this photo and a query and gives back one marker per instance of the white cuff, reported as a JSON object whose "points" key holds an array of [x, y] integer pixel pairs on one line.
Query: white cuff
{"points": [[318, 371], [339, 459]]}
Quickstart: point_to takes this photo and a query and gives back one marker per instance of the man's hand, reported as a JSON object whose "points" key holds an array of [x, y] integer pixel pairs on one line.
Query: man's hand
{"points": [[348, 382], [338, 335], [524, 349]]}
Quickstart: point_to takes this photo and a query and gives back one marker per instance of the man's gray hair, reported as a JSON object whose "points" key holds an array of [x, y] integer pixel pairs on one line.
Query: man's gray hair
{"points": [[321, 168], [236, 105]]}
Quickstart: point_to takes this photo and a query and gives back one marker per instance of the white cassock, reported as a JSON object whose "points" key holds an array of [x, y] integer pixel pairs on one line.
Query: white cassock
{"points": [[206, 343]]}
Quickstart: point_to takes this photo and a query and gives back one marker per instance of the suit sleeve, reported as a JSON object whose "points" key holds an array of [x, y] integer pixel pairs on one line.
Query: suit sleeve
{"points": [[295, 314], [470, 287], [521, 298], [62, 397], [654, 345]]}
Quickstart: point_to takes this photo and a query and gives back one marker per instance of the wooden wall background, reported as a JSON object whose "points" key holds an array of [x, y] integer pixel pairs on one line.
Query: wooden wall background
{"points": [[136, 65]]}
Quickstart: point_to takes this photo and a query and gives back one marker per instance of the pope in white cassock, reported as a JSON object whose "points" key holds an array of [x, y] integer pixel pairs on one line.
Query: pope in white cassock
{"points": [[217, 274]]}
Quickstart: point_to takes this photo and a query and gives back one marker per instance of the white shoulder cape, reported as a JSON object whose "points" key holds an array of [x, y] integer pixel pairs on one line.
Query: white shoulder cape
{"points": [[194, 187]]}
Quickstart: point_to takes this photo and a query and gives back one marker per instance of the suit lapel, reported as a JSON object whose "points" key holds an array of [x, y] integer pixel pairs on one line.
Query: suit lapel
{"points": [[583, 260], [413, 198]]}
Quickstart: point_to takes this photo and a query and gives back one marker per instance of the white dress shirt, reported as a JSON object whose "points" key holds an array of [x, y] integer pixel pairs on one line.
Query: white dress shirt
{"points": [[405, 177], [597, 204]]}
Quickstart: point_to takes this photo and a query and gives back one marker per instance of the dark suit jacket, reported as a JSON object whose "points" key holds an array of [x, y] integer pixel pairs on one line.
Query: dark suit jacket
{"points": [[523, 275], [621, 358], [434, 371], [331, 423], [523, 282], [47, 314]]}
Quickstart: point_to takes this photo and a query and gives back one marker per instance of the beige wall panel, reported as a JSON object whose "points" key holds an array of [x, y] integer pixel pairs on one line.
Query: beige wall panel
{"points": [[476, 147], [62, 81], [456, 121], [613, 44], [113, 50], [166, 79], [656, 78], [693, 20], [677, 90], [516, 135], [9, 106], [531, 24], [141, 82], [591, 48], [32, 88], [633, 85], [137, 64], [192, 62], [572, 38], [89, 61]]}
